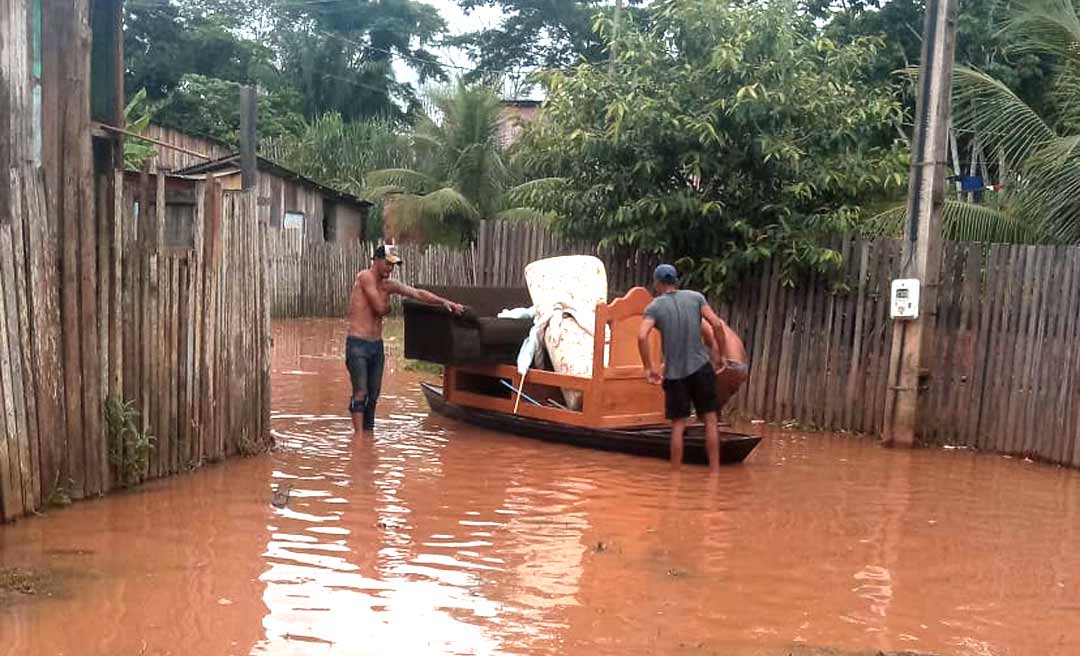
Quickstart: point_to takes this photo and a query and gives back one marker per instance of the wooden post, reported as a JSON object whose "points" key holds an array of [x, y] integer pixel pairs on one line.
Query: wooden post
{"points": [[248, 138], [921, 257]]}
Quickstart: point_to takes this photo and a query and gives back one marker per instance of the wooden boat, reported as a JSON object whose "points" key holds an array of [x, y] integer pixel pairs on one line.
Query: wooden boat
{"points": [[619, 411], [654, 442]]}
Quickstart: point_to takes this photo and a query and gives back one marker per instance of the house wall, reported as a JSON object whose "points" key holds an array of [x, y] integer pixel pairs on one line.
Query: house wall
{"points": [[279, 195], [169, 159], [512, 120]]}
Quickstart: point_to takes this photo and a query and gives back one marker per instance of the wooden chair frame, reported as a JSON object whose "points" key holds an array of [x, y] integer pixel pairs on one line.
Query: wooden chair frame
{"points": [[618, 395]]}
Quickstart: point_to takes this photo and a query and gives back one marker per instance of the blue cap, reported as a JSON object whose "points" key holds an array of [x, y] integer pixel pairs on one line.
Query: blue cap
{"points": [[666, 273]]}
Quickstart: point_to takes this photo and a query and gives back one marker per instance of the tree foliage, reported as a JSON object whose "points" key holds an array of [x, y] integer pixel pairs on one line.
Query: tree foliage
{"points": [[460, 173], [306, 58], [535, 34], [727, 134]]}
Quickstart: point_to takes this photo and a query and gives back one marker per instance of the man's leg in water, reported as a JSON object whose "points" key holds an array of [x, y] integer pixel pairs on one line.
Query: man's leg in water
{"points": [[357, 362], [375, 366], [678, 428]]}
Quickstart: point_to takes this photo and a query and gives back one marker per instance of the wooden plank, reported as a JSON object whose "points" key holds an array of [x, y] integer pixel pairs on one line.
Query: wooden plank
{"points": [[965, 401], [44, 269], [1046, 279], [175, 383], [103, 208], [24, 210], [1000, 378], [1066, 399], [11, 485], [1024, 327], [853, 413], [16, 311]]}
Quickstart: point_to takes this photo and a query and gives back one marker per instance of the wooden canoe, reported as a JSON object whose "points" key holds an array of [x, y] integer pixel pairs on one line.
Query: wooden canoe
{"points": [[654, 441]]}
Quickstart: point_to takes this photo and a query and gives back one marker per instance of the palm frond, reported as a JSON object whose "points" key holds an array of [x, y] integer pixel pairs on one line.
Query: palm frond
{"points": [[413, 181], [446, 202], [1004, 122], [967, 222], [1044, 27]]}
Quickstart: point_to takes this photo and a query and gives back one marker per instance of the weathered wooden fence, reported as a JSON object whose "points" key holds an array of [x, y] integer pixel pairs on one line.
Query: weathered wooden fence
{"points": [[1005, 371], [314, 279], [164, 306]]}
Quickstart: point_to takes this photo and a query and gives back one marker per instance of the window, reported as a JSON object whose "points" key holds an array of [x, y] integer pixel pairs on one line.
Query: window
{"points": [[329, 221], [293, 221]]}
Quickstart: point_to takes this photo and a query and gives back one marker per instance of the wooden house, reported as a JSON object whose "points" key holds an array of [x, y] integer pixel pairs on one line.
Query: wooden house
{"points": [[289, 201]]}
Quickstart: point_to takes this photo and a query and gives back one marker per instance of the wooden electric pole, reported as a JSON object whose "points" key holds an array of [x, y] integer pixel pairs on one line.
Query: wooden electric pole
{"points": [[248, 138], [921, 259]]}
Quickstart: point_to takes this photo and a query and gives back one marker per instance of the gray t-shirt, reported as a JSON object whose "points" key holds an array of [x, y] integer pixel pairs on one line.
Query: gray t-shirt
{"points": [[678, 318]]}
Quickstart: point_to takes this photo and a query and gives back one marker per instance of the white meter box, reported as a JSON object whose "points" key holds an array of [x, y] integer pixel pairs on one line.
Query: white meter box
{"points": [[904, 301]]}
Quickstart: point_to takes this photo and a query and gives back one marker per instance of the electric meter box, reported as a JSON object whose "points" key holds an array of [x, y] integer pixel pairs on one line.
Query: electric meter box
{"points": [[904, 300]]}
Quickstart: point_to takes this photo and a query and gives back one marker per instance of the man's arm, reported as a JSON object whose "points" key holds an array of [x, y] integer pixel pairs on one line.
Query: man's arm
{"points": [[713, 343], [423, 296], [378, 304], [651, 372]]}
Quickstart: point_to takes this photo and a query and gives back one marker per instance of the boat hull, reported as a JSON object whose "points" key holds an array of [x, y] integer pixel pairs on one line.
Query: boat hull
{"points": [[652, 442]]}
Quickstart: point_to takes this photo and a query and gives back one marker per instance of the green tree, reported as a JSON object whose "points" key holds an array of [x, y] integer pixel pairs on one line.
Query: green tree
{"points": [[726, 135], [338, 55], [210, 107], [460, 174], [535, 34]]}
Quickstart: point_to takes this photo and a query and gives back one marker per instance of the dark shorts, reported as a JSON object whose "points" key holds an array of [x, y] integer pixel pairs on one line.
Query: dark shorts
{"points": [[364, 360], [697, 389]]}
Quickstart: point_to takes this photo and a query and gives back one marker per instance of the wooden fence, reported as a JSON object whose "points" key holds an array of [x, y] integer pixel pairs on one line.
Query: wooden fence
{"points": [[180, 330], [314, 279], [1005, 368]]}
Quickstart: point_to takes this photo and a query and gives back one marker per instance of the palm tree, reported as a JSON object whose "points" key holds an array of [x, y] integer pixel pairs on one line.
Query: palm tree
{"points": [[461, 174], [1040, 202]]}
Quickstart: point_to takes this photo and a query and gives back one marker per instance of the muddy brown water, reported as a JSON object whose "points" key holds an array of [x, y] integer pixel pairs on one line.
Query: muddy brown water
{"points": [[437, 538]]}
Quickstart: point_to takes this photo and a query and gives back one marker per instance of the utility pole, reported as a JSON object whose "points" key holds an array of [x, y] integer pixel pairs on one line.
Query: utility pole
{"points": [[616, 31], [920, 268], [248, 138]]}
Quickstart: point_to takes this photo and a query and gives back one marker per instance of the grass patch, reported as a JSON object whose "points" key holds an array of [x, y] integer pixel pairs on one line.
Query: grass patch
{"points": [[421, 367], [129, 447]]}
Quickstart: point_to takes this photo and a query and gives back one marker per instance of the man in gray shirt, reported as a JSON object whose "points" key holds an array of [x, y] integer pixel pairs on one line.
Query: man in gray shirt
{"points": [[688, 374]]}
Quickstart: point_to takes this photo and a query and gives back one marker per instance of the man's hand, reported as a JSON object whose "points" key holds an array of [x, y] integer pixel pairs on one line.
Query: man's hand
{"points": [[719, 362], [454, 308], [654, 377]]}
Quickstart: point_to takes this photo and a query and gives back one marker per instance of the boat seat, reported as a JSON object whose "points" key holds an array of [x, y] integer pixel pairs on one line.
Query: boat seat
{"points": [[434, 335]]}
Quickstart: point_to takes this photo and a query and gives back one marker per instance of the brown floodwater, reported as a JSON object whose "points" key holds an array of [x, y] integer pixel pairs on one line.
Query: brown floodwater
{"points": [[436, 538]]}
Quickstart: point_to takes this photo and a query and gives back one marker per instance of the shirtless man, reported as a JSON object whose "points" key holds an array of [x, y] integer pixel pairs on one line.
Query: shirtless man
{"points": [[729, 359], [369, 302]]}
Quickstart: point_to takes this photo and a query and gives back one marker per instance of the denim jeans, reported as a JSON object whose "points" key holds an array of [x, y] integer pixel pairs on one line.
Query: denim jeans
{"points": [[365, 359]]}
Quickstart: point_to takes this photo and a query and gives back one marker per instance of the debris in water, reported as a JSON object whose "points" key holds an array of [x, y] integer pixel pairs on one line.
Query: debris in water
{"points": [[677, 572], [600, 546], [224, 602], [280, 498]]}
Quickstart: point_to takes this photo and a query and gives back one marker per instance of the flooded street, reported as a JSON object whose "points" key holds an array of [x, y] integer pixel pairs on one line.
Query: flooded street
{"points": [[441, 539]]}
